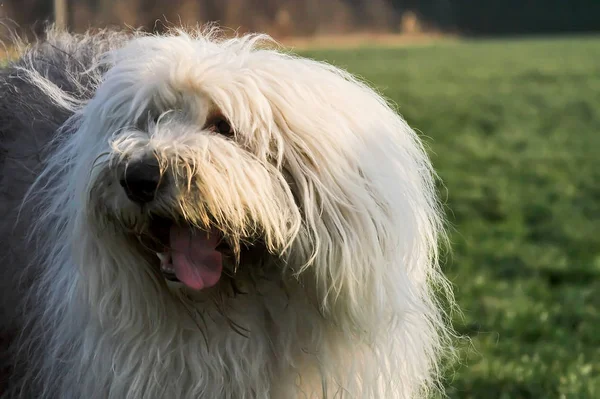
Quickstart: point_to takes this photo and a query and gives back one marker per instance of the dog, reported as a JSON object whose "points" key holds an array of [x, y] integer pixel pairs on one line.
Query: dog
{"points": [[191, 215]]}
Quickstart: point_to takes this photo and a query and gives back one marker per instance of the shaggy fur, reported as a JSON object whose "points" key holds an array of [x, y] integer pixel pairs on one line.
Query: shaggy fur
{"points": [[323, 194]]}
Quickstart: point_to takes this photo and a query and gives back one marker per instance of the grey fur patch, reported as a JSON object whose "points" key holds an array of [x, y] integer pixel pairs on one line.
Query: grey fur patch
{"points": [[30, 115]]}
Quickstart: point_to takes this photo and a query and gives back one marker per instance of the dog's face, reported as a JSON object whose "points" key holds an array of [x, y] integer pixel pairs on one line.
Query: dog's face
{"points": [[215, 160], [197, 194], [192, 166]]}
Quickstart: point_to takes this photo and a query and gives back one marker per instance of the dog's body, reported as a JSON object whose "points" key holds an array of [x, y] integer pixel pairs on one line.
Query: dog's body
{"points": [[321, 194]]}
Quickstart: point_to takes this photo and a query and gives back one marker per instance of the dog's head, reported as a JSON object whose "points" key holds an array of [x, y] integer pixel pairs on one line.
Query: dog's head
{"points": [[211, 160]]}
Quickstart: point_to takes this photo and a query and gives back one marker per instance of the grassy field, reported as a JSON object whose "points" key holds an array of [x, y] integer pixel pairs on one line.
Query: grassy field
{"points": [[514, 132]]}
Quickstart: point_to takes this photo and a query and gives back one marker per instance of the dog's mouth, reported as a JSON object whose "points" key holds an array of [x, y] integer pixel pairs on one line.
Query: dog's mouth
{"points": [[187, 254]]}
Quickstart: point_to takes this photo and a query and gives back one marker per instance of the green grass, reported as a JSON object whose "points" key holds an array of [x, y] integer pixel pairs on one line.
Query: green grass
{"points": [[514, 132]]}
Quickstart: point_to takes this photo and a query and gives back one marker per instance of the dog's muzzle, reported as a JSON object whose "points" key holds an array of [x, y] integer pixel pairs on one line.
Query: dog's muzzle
{"points": [[141, 179], [188, 254]]}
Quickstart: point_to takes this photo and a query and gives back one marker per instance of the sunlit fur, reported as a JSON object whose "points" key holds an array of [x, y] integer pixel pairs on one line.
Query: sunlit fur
{"points": [[321, 170]]}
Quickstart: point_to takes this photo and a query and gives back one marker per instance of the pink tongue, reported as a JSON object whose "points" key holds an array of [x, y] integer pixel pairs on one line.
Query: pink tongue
{"points": [[196, 262]]}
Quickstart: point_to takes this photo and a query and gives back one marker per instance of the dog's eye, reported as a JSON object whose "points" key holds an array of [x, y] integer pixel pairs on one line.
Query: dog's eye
{"points": [[223, 127]]}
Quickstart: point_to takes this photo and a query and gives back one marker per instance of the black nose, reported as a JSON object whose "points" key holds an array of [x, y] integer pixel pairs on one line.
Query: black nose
{"points": [[141, 179]]}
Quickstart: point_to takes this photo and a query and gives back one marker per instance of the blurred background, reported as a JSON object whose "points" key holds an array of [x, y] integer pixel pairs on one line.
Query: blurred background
{"points": [[506, 96], [284, 18]]}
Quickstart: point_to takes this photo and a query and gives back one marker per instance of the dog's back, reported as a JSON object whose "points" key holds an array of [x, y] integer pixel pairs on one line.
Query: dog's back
{"points": [[38, 92]]}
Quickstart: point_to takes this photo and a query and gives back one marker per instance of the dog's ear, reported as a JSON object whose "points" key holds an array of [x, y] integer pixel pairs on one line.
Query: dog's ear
{"points": [[371, 226], [371, 221]]}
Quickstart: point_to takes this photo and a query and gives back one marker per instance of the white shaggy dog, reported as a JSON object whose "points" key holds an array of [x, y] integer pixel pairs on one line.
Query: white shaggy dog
{"points": [[189, 216]]}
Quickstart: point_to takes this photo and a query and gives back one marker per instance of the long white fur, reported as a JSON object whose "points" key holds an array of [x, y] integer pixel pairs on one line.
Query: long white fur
{"points": [[333, 178]]}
